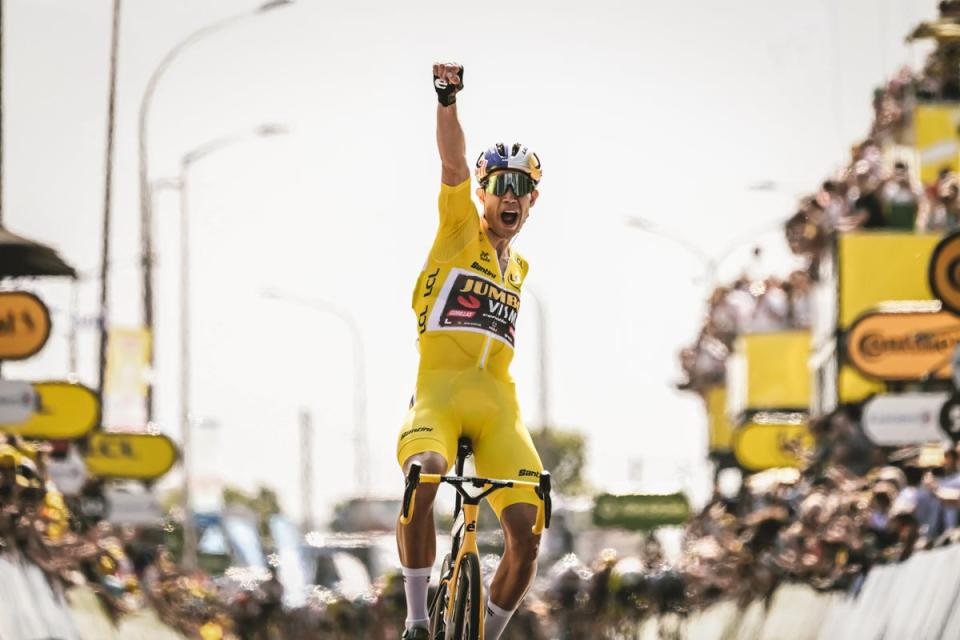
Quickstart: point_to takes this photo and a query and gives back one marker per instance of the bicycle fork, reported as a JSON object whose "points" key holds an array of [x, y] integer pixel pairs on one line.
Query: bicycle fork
{"points": [[468, 544]]}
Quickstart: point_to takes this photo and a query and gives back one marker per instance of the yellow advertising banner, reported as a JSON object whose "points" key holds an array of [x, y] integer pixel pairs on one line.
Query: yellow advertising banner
{"points": [[125, 388], [135, 456], [936, 139], [852, 387], [909, 345], [65, 411], [773, 440], [775, 369], [944, 272], [881, 266], [720, 429], [24, 325]]}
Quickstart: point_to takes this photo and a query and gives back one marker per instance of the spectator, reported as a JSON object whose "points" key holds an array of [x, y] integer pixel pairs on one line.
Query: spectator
{"points": [[945, 210], [901, 200], [867, 209], [771, 309]]}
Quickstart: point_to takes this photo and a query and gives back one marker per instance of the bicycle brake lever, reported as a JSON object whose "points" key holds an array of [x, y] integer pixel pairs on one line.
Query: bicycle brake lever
{"points": [[544, 492], [413, 480]]}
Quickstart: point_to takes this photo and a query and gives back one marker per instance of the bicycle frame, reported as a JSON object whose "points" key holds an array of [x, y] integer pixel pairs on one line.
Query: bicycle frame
{"points": [[469, 505]]}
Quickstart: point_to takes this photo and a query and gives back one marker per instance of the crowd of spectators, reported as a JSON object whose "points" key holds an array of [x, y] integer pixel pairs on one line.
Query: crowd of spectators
{"points": [[871, 194], [743, 307], [825, 528], [127, 568]]}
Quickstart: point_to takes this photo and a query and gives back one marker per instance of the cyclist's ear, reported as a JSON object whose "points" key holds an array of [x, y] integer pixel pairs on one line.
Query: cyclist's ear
{"points": [[533, 197], [481, 193]]}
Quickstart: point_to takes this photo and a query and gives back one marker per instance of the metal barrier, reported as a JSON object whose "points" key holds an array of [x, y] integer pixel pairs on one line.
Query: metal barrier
{"points": [[917, 600], [30, 608], [33, 609]]}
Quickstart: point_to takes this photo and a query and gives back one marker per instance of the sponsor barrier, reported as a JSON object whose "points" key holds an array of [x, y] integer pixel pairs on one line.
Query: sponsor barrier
{"points": [[904, 345], [640, 511], [770, 372], [718, 423], [18, 401], [876, 267], [24, 325], [64, 411], [907, 418], [772, 440], [133, 456], [852, 387], [935, 128]]}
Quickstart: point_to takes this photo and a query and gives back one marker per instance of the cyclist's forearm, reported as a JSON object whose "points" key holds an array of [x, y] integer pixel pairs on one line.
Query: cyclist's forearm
{"points": [[452, 146]]}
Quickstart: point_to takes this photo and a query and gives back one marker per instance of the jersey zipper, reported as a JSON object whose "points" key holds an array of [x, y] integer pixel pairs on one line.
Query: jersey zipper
{"points": [[502, 280]]}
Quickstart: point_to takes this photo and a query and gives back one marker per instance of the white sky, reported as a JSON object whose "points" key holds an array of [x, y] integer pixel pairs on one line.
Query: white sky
{"points": [[662, 109]]}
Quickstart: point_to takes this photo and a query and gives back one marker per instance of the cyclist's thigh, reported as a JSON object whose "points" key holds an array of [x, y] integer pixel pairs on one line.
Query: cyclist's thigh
{"points": [[430, 425], [504, 450]]}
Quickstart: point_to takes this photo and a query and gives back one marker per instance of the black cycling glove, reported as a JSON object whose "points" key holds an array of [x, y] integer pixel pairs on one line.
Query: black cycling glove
{"points": [[446, 92]]}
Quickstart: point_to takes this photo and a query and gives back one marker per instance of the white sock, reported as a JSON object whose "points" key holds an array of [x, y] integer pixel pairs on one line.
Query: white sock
{"points": [[496, 621], [415, 583]]}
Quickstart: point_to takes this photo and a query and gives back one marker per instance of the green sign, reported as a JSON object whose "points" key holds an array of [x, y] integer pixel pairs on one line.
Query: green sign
{"points": [[639, 511]]}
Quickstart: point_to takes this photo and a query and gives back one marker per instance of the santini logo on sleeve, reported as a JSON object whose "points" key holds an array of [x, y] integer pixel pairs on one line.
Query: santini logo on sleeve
{"points": [[468, 302]]}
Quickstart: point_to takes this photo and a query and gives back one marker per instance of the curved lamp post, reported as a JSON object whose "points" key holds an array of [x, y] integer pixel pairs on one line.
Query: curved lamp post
{"points": [[182, 183], [359, 378], [146, 201], [710, 263]]}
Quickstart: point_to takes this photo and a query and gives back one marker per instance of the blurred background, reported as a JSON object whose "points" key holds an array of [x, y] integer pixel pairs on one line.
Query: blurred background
{"points": [[244, 194]]}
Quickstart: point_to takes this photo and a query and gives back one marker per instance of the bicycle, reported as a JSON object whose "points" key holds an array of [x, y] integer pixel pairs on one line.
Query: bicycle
{"points": [[461, 568]]}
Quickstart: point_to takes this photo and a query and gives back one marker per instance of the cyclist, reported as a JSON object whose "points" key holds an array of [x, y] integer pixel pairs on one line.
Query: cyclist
{"points": [[466, 301]]}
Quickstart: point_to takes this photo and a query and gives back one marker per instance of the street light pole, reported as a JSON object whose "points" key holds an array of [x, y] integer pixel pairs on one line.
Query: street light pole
{"points": [[360, 447], [146, 200], [186, 162], [709, 262]]}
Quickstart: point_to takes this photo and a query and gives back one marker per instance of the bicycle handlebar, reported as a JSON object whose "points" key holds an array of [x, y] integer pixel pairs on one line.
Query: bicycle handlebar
{"points": [[541, 488]]}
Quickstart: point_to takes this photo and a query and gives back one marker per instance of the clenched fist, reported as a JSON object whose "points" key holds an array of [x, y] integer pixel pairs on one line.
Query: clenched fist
{"points": [[448, 81]]}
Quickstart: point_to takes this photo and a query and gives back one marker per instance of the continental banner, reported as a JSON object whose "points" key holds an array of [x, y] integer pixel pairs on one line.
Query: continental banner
{"points": [[640, 511], [936, 127], [880, 266], [907, 345], [720, 429], [64, 411], [773, 440], [132, 456], [771, 371], [24, 325]]}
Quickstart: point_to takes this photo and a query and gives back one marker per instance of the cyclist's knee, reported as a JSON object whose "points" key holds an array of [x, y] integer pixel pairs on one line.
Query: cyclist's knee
{"points": [[430, 462], [518, 521]]}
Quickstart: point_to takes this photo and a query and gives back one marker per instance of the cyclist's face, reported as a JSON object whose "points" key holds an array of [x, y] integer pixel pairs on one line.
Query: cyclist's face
{"points": [[506, 214]]}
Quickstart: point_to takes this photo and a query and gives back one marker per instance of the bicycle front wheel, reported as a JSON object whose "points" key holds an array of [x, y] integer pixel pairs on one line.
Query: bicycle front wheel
{"points": [[438, 609], [467, 608]]}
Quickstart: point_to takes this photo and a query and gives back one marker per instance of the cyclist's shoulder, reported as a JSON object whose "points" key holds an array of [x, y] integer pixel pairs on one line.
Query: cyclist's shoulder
{"points": [[517, 261]]}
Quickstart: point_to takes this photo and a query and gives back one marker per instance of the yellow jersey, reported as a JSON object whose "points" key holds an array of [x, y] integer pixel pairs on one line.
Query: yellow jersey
{"points": [[466, 308]]}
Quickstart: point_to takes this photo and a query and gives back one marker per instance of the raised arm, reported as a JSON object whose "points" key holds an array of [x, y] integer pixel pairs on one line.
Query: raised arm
{"points": [[448, 81]]}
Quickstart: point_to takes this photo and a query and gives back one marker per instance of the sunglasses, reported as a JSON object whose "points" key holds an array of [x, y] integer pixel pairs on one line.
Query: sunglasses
{"points": [[521, 183]]}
